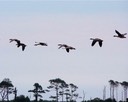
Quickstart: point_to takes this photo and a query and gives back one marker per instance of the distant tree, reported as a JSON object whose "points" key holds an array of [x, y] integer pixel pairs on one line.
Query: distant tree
{"points": [[83, 96], [112, 88], [57, 84], [6, 88], [37, 91], [73, 89], [116, 86], [124, 84], [63, 88], [104, 93], [67, 94]]}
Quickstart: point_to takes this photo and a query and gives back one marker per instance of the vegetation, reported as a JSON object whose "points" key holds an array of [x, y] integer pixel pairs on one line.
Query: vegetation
{"points": [[63, 92], [37, 91], [6, 88]]}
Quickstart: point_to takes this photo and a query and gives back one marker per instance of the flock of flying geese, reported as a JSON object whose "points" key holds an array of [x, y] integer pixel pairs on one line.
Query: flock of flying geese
{"points": [[67, 47]]}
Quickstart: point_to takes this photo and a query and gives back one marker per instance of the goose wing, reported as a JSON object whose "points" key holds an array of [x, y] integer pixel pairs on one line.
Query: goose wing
{"points": [[93, 42], [11, 40], [72, 48], [119, 34], [100, 43], [16, 40], [62, 45], [67, 49], [37, 44], [23, 47]]}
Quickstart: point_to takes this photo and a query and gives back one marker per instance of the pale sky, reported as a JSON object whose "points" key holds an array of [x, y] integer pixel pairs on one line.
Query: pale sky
{"points": [[71, 22]]}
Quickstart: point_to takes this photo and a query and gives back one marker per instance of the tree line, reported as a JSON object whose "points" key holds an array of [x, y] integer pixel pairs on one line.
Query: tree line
{"points": [[114, 87], [63, 92]]}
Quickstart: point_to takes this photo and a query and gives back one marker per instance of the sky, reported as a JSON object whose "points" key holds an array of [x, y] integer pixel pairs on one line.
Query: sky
{"points": [[71, 22]]}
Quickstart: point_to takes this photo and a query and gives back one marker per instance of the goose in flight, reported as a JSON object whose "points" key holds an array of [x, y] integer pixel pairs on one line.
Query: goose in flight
{"points": [[100, 41], [119, 35], [40, 43], [68, 48], [18, 43]]}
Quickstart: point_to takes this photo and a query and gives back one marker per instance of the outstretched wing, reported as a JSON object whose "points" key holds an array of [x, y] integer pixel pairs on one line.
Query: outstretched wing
{"points": [[100, 43], [23, 47], [93, 42], [67, 50], [11, 40], [60, 45], [118, 32]]}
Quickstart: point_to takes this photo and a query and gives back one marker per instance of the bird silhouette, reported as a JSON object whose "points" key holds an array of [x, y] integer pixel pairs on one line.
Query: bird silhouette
{"points": [[68, 48], [41, 43], [119, 35], [18, 43], [100, 41]]}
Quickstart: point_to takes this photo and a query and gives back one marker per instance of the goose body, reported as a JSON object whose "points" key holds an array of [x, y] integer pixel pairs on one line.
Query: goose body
{"points": [[119, 35], [100, 41]]}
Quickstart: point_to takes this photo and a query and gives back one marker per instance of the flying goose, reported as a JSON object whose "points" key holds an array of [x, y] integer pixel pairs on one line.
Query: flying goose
{"points": [[40, 43], [18, 43], [96, 40], [119, 35], [68, 48]]}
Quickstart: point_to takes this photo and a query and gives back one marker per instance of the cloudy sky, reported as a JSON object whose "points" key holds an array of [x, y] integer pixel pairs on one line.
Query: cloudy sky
{"points": [[73, 23]]}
